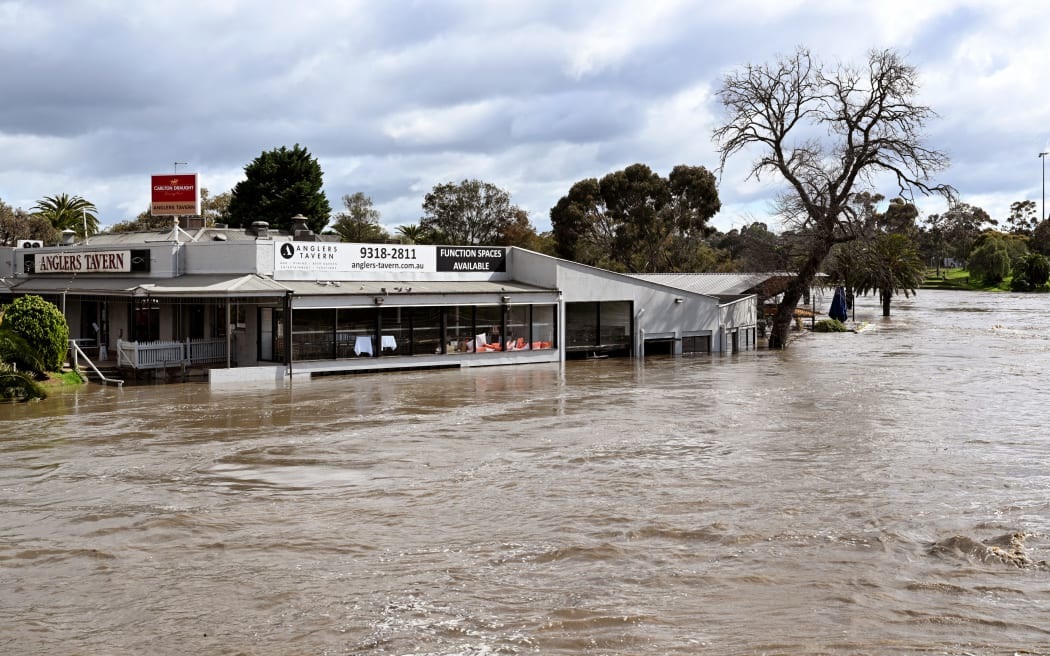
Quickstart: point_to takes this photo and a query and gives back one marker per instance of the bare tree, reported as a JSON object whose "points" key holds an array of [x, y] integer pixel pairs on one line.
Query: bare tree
{"points": [[828, 133]]}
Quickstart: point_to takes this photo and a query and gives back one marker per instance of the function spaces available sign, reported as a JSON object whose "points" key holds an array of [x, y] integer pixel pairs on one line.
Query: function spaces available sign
{"points": [[174, 194], [465, 259], [312, 260]]}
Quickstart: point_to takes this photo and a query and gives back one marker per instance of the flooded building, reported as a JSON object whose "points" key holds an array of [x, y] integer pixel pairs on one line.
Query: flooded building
{"points": [[254, 304]]}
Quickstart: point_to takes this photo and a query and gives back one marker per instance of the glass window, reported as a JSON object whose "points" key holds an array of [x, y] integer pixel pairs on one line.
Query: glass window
{"points": [[519, 328], [355, 332], [145, 325], [460, 329], [615, 322], [581, 324], [543, 326], [426, 330], [696, 344], [489, 322], [395, 331], [313, 334]]}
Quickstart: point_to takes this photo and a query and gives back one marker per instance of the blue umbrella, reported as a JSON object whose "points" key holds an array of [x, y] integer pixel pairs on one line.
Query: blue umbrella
{"points": [[838, 305]]}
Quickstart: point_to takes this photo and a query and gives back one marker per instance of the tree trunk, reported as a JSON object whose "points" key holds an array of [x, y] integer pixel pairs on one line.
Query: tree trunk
{"points": [[778, 336], [887, 296]]}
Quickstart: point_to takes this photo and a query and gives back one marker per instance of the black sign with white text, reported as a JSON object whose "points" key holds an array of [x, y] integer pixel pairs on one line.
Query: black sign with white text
{"points": [[470, 259]]}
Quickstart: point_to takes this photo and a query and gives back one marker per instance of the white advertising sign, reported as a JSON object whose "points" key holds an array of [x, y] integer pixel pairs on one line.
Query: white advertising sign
{"points": [[309, 260]]}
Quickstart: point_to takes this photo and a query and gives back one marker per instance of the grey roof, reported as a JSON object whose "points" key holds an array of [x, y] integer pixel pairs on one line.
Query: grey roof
{"points": [[713, 284], [414, 287], [188, 285], [244, 285], [183, 236]]}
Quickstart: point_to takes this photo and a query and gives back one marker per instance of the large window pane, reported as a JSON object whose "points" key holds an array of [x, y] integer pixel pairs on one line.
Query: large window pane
{"points": [[581, 324], [697, 344], [460, 327], [426, 330], [489, 323], [543, 326], [312, 334], [355, 333], [518, 327], [394, 332], [615, 321]]}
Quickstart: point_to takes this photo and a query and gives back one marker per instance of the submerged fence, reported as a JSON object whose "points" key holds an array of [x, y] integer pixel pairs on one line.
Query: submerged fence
{"points": [[162, 354]]}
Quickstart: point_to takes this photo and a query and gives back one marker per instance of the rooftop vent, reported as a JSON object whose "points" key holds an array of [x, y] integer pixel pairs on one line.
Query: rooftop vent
{"points": [[261, 229], [301, 231]]}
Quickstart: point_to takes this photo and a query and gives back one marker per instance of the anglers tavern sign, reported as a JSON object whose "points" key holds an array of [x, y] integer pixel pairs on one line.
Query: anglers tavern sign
{"points": [[99, 262]]}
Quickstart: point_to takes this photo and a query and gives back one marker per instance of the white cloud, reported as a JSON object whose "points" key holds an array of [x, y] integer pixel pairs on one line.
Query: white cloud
{"points": [[396, 97]]}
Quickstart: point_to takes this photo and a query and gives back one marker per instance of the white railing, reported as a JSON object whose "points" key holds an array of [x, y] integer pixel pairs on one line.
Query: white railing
{"points": [[162, 354], [78, 353]]}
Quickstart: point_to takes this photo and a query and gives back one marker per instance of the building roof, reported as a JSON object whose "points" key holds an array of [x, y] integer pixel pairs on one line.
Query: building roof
{"points": [[142, 237], [217, 285], [415, 287], [188, 285], [714, 284]]}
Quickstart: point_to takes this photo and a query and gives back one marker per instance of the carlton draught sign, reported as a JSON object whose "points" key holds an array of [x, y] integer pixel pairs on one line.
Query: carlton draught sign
{"points": [[174, 194]]}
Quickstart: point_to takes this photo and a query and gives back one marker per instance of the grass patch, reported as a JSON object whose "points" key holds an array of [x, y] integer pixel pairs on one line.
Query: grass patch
{"points": [[63, 378], [829, 326], [960, 279]]}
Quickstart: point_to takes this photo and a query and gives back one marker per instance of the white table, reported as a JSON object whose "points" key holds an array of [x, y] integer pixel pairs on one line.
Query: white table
{"points": [[363, 344]]}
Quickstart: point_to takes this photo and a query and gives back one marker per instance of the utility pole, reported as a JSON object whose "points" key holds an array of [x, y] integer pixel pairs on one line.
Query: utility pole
{"points": [[1042, 156]]}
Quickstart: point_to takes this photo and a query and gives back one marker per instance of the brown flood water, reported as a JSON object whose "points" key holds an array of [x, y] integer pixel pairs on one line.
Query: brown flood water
{"points": [[878, 493]]}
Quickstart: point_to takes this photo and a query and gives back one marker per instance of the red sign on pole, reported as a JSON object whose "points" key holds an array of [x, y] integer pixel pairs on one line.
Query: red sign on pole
{"points": [[174, 194]]}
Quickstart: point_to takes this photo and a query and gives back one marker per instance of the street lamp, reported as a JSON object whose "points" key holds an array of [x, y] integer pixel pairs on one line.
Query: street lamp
{"points": [[177, 166], [1042, 156]]}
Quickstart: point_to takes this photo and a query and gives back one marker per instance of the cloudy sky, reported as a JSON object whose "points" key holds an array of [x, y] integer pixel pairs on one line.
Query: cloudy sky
{"points": [[397, 96]]}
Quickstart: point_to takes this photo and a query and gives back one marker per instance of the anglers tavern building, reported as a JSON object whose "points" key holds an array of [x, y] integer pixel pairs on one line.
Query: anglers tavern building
{"points": [[258, 304]]}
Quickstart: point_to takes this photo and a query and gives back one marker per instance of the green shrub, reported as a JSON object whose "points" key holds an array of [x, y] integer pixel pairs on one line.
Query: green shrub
{"points": [[990, 262], [41, 325], [829, 326], [18, 385], [1031, 271]]}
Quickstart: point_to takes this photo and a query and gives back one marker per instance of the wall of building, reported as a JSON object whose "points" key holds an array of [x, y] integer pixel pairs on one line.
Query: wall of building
{"points": [[659, 311], [740, 313], [7, 262], [228, 258]]}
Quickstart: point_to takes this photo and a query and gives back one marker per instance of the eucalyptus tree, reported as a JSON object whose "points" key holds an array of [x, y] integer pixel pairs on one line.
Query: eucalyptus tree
{"points": [[16, 223], [828, 132], [470, 212], [636, 220], [360, 221]]}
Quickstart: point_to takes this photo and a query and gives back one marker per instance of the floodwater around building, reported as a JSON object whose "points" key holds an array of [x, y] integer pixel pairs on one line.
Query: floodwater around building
{"points": [[886, 492]]}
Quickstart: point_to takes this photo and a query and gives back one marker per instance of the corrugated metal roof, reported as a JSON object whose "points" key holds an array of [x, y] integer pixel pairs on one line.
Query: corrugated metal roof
{"points": [[713, 284], [375, 287], [201, 235], [188, 285], [215, 285]]}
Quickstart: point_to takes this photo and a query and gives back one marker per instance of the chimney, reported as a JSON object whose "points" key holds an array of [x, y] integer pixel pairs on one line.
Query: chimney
{"points": [[261, 229], [300, 231], [69, 237]]}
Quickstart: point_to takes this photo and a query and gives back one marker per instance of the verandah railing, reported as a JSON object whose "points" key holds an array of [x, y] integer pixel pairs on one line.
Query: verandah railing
{"points": [[161, 354]]}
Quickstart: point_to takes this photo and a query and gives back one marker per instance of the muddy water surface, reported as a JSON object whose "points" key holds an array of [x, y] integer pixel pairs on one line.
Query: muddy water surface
{"points": [[885, 493]]}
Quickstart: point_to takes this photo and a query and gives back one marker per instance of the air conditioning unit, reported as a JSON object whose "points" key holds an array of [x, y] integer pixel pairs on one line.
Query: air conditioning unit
{"points": [[29, 243]]}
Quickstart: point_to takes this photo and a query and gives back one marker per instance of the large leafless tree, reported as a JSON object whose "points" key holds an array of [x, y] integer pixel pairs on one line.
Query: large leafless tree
{"points": [[829, 132]]}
